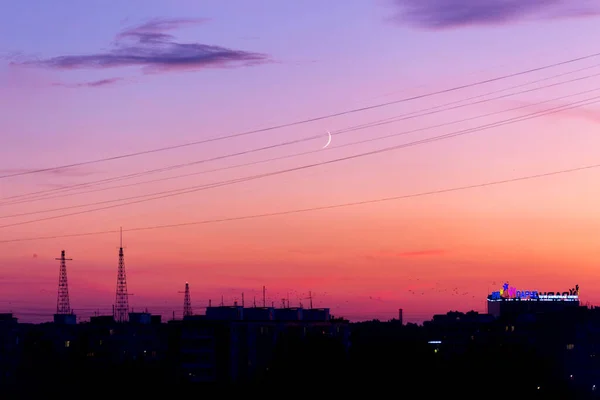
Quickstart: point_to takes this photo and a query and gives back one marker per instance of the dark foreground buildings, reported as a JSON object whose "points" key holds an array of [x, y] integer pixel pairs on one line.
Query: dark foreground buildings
{"points": [[227, 347], [525, 350]]}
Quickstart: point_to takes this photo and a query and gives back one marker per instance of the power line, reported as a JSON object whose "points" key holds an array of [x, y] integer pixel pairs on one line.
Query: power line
{"points": [[244, 179], [305, 121], [303, 210], [18, 199], [192, 190], [400, 118]]}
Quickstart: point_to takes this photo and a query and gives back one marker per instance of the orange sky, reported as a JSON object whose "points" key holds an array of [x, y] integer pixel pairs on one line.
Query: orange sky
{"points": [[424, 254]]}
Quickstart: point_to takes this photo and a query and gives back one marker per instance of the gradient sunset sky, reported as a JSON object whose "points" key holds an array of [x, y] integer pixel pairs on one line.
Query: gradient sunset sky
{"points": [[81, 81]]}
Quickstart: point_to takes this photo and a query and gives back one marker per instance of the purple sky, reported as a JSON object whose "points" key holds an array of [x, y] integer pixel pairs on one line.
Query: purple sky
{"points": [[87, 80]]}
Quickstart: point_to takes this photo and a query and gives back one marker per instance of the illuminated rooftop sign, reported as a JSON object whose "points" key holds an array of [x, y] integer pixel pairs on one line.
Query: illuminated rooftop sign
{"points": [[510, 292]]}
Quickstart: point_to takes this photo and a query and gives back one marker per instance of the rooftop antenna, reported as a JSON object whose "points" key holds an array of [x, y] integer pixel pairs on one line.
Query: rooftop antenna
{"points": [[310, 298], [264, 297], [222, 302], [283, 303], [288, 300], [242, 299], [254, 303], [209, 302]]}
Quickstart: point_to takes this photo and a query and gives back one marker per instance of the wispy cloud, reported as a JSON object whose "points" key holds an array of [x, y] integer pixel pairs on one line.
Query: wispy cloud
{"points": [[422, 253], [446, 14], [151, 47], [585, 113], [92, 84], [418, 253]]}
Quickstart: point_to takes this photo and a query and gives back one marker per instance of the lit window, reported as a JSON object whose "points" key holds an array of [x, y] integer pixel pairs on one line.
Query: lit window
{"points": [[570, 346], [67, 343]]}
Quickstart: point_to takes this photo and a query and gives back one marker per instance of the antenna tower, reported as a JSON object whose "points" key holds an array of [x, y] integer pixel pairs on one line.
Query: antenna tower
{"points": [[62, 302], [187, 302], [122, 300]]}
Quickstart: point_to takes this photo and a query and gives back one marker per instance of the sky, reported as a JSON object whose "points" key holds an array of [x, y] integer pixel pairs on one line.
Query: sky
{"points": [[95, 80]]}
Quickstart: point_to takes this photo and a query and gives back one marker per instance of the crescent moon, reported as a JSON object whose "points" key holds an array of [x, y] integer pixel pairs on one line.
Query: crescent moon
{"points": [[328, 140]]}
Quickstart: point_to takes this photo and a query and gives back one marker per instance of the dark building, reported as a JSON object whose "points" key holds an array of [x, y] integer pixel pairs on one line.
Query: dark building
{"points": [[10, 348], [226, 345], [237, 344]]}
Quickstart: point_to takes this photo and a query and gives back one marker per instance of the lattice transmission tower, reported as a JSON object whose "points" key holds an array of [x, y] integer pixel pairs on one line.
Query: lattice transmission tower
{"points": [[187, 301], [122, 299], [63, 305]]}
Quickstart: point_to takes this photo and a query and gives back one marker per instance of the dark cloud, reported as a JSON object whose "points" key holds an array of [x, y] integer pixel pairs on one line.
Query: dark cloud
{"points": [[444, 14], [150, 46], [92, 84]]}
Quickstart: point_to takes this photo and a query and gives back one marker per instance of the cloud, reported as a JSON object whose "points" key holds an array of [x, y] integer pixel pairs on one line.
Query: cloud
{"points": [[445, 14], [389, 255], [92, 84], [149, 46]]}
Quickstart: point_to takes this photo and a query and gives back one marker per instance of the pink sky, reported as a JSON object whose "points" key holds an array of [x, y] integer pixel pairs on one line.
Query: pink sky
{"points": [[425, 254]]}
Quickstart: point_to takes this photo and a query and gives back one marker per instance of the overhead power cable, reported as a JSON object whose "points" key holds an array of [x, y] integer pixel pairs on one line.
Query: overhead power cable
{"points": [[312, 209], [177, 192], [305, 121], [41, 195], [272, 159]]}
